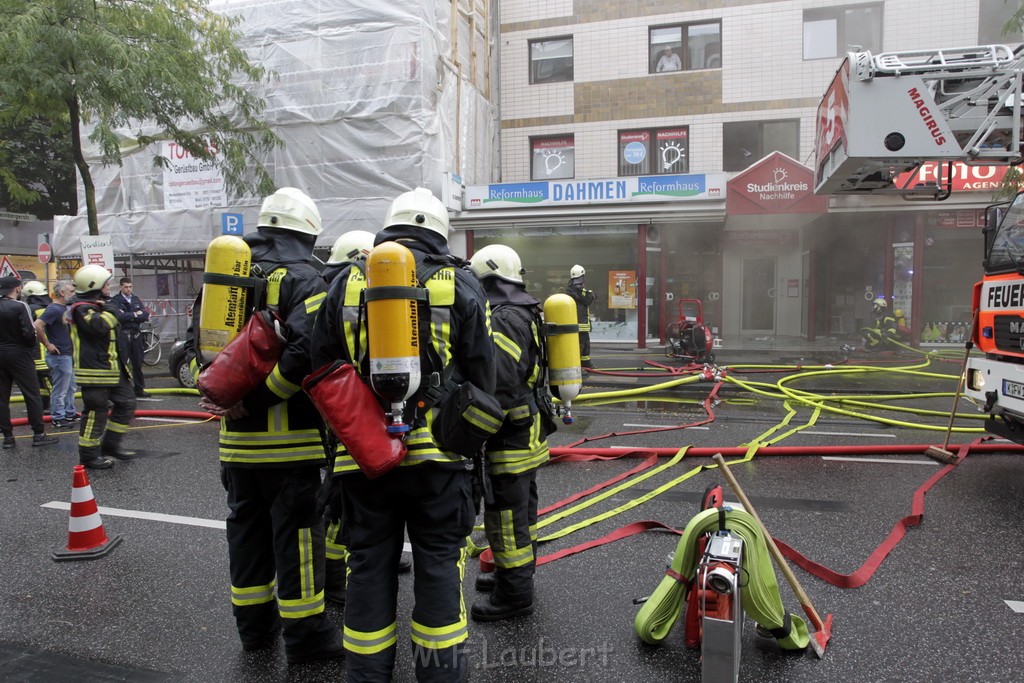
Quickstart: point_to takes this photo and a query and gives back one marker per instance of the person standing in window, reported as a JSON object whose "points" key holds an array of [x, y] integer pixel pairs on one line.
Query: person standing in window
{"points": [[669, 61], [131, 315]]}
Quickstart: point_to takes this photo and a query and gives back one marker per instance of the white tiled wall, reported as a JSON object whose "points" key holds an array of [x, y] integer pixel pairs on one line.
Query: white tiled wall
{"points": [[762, 62]]}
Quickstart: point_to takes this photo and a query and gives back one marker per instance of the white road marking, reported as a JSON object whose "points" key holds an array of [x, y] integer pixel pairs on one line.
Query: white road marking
{"points": [[883, 461], [873, 435], [159, 517], [631, 424], [140, 514], [1016, 605], [171, 419]]}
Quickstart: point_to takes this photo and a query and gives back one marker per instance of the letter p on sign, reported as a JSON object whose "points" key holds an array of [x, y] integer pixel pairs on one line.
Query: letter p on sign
{"points": [[231, 224]]}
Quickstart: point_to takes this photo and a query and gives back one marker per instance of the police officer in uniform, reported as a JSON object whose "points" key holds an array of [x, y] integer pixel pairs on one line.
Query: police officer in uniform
{"points": [[131, 314], [516, 451], [271, 453], [430, 493], [583, 298]]}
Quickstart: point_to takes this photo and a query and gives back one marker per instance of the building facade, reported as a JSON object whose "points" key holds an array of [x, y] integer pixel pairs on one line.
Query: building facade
{"points": [[666, 147]]}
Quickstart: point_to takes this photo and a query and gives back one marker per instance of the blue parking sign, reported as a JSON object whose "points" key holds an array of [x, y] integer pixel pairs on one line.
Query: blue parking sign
{"points": [[231, 224]]}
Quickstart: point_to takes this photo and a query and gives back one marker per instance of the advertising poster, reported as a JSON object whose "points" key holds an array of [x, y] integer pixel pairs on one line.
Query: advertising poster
{"points": [[190, 183], [622, 289]]}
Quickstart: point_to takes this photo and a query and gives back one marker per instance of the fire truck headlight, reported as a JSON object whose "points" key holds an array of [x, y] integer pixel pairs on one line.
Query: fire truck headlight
{"points": [[975, 379]]}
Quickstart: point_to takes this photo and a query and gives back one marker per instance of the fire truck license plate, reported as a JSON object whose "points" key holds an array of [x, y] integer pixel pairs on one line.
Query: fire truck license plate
{"points": [[1014, 389]]}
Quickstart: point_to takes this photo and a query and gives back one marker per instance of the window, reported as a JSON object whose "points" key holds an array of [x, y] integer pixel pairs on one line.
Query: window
{"points": [[685, 47], [745, 142], [553, 158], [833, 31], [992, 16], [551, 60], [654, 152]]}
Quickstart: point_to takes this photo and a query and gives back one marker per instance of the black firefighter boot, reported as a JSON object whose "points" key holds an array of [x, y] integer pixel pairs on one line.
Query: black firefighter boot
{"points": [[334, 582], [501, 605], [111, 447], [91, 458]]}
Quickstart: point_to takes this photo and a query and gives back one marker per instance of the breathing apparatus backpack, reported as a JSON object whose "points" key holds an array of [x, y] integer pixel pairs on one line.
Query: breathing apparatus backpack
{"points": [[467, 415], [239, 339]]}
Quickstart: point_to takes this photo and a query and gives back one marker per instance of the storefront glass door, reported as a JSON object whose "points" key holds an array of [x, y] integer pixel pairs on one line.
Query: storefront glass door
{"points": [[758, 295]]}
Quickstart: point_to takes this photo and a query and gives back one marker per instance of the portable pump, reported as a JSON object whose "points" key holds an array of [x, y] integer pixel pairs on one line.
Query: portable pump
{"points": [[721, 608]]}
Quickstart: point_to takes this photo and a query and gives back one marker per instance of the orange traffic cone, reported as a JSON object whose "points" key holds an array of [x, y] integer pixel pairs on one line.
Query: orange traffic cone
{"points": [[86, 538]]}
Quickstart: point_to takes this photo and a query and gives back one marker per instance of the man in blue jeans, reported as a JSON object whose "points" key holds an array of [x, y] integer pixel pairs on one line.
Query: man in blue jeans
{"points": [[53, 331]]}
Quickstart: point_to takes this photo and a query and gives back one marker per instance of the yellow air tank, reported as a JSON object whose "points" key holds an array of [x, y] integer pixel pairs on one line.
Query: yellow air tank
{"points": [[222, 312], [564, 372], [393, 327]]}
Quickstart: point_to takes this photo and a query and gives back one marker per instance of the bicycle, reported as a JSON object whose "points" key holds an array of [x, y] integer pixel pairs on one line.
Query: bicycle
{"points": [[151, 350]]}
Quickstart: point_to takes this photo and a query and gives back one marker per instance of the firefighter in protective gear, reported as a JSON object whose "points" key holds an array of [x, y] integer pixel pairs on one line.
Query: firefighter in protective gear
{"points": [[354, 245], [34, 294], [271, 453], [350, 249], [520, 446], [101, 370], [430, 493], [879, 337], [583, 298]]}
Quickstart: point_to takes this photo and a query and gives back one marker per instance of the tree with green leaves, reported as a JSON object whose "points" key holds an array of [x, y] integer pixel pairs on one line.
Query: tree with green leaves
{"points": [[162, 69], [37, 170]]}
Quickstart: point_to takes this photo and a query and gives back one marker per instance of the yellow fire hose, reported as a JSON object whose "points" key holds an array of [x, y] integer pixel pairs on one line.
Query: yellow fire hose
{"points": [[760, 596]]}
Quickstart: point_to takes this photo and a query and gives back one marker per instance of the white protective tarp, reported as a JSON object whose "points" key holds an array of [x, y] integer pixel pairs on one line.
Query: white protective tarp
{"points": [[367, 101]]}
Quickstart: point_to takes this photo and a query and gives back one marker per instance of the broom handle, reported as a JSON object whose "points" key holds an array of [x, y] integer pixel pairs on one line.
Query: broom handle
{"points": [[805, 601], [960, 380]]}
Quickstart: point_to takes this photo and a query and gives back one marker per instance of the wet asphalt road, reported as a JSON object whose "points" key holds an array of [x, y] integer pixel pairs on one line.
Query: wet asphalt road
{"points": [[941, 607]]}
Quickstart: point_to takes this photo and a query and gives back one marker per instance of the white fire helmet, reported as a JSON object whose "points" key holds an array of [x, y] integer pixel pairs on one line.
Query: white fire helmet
{"points": [[419, 208], [354, 245], [33, 288], [880, 304], [290, 209], [497, 260], [577, 271], [91, 278]]}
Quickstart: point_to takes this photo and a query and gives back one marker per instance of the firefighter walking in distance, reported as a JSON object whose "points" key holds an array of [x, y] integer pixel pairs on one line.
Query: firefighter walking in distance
{"points": [[101, 370], [520, 446], [430, 493], [271, 453], [583, 298], [34, 293], [880, 336]]}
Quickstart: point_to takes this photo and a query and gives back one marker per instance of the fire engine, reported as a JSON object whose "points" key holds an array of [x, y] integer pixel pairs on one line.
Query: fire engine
{"points": [[886, 115]]}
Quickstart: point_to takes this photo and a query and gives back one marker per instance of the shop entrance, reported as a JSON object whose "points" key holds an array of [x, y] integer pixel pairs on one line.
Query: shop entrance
{"points": [[757, 315]]}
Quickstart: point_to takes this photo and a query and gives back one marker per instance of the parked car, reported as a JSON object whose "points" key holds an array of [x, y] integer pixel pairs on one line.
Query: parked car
{"points": [[179, 368]]}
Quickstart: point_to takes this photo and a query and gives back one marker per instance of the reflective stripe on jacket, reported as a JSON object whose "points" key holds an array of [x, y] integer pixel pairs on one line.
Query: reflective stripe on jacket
{"points": [[94, 329], [518, 446], [459, 332]]}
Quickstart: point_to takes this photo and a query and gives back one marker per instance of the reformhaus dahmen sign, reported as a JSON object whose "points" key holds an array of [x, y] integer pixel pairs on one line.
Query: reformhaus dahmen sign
{"points": [[662, 188]]}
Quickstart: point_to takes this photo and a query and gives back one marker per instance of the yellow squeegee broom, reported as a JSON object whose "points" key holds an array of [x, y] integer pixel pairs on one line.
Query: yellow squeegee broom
{"points": [[944, 455]]}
